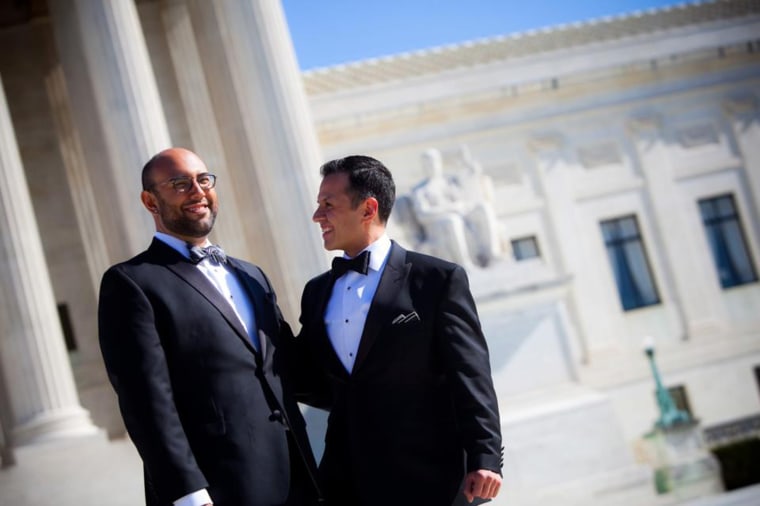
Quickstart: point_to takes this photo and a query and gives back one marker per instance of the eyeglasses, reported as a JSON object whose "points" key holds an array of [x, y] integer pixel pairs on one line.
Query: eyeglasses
{"points": [[183, 184]]}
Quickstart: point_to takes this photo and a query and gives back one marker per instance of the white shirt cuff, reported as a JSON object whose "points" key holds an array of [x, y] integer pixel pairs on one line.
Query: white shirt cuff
{"points": [[198, 498]]}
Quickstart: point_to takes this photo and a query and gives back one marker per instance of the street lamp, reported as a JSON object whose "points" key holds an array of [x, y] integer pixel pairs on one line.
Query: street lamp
{"points": [[670, 415]]}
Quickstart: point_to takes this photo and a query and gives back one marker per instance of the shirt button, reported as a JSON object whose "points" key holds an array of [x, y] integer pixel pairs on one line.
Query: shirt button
{"points": [[346, 320]]}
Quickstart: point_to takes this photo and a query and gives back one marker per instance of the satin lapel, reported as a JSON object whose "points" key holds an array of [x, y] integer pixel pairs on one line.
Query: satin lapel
{"points": [[391, 299], [195, 278], [323, 340], [261, 312]]}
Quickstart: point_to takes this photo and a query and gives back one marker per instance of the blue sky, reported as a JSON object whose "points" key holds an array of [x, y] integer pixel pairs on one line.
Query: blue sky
{"points": [[330, 32]]}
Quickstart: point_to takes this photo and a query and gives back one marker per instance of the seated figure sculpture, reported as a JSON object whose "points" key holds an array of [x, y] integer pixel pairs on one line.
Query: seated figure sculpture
{"points": [[455, 212]]}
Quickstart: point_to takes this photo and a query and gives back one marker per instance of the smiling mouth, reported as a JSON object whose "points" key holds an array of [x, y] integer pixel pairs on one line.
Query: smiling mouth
{"points": [[198, 208]]}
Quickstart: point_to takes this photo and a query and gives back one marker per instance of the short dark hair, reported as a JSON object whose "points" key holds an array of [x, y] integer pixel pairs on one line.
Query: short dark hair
{"points": [[367, 177]]}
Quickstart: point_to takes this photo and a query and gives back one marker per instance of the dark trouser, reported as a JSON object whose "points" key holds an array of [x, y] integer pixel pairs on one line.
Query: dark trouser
{"points": [[338, 478], [303, 491]]}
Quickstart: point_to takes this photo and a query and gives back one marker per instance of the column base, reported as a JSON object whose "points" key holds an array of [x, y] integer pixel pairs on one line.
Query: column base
{"points": [[54, 425]]}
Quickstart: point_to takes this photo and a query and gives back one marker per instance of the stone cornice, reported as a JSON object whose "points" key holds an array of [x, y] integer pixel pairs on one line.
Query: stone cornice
{"points": [[504, 48]]}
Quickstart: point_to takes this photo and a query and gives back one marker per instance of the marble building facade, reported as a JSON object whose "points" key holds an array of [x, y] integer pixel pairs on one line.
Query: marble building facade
{"points": [[607, 145]]}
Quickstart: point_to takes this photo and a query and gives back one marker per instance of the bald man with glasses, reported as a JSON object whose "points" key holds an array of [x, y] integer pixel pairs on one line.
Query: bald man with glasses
{"points": [[193, 342]]}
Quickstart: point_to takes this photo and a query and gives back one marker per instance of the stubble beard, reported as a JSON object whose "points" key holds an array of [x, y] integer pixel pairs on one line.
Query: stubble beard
{"points": [[183, 226]]}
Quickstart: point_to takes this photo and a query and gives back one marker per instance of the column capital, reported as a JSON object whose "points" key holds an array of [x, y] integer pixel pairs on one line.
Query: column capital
{"points": [[740, 106], [646, 125]]}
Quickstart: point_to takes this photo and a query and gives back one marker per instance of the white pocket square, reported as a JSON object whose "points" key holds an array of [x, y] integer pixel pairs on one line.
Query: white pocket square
{"points": [[406, 318]]}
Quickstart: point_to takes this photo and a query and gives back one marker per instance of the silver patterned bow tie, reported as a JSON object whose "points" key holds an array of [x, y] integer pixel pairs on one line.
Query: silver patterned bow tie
{"points": [[213, 253]]}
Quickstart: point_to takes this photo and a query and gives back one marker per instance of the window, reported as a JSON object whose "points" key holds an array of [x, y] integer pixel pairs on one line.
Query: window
{"points": [[726, 238], [525, 248], [625, 250]]}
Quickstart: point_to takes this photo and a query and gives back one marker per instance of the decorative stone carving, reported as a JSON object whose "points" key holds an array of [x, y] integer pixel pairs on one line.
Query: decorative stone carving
{"points": [[452, 215], [696, 136]]}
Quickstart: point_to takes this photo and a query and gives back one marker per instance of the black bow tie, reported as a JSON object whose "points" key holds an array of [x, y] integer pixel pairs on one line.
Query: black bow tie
{"points": [[359, 263], [213, 252]]}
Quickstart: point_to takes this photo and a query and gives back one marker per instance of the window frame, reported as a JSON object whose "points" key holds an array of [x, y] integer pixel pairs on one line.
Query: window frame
{"points": [[715, 226], [534, 239], [621, 253]]}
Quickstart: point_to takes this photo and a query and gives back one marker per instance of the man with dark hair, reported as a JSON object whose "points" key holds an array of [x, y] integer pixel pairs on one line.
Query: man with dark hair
{"points": [[392, 346], [192, 341]]}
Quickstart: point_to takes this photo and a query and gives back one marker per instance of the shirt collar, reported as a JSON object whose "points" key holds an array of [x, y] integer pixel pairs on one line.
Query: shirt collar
{"points": [[175, 243], [380, 250]]}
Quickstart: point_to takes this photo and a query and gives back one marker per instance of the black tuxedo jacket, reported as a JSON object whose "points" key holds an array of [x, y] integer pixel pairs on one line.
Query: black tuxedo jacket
{"points": [[202, 406], [419, 407]]}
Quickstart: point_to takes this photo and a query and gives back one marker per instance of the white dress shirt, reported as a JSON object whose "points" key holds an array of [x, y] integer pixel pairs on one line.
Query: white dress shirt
{"points": [[350, 301], [233, 292], [199, 498]]}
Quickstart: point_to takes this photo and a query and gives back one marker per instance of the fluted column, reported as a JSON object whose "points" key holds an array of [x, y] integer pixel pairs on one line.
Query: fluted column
{"points": [[37, 374], [116, 109], [82, 192], [268, 135], [206, 139], [695, 301]]}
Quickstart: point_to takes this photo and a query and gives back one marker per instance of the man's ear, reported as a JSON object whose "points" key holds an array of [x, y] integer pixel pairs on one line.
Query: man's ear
{"points": [[149, 201], [370, 208]]}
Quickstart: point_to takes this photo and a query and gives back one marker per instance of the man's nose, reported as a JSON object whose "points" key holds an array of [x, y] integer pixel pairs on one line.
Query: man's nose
{"points": [[317, 216], [196, 186]]}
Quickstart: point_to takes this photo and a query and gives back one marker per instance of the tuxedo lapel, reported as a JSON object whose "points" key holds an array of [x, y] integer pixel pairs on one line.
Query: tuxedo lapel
{"points": [[186, 271], [391, 298]]}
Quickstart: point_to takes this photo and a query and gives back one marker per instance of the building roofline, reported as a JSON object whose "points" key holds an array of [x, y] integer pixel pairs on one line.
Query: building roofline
{"points": [[489, 50]]}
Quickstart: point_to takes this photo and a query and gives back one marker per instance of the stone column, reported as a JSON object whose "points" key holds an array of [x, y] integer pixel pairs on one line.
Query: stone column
{"points": [[555, 185], [37, 374], [268, 135], [742, 112], [229, 230], [116, 109], [82, 192], [693, 298]]}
